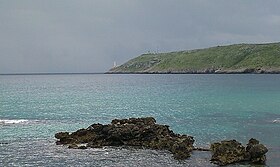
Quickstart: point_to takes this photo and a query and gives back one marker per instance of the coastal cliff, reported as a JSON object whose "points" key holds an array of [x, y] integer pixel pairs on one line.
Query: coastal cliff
{"points": [[238, 58]]}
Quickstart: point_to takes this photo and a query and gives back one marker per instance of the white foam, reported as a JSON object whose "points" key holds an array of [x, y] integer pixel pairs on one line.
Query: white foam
{"points": [[12, 121], [276, 120]]}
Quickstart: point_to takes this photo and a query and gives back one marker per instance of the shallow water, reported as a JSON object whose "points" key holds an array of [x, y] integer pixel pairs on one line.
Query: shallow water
{"points": [[209, 107]]}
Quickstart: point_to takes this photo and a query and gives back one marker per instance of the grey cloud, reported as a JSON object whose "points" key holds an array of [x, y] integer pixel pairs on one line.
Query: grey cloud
{"points": [[88, 35]]}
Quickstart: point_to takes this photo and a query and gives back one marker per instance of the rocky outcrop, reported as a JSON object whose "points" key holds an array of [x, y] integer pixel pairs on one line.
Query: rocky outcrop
{"points": [[256, 151], [137, 132], [145, 133], [231, 151]]}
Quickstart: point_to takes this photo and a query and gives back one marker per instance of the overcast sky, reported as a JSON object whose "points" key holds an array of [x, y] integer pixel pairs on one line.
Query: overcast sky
{"points": [[89, 35]]}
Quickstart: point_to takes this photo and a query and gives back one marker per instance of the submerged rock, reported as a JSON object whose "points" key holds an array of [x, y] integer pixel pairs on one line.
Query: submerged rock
{"points": [[138, 132], [231, 151]]}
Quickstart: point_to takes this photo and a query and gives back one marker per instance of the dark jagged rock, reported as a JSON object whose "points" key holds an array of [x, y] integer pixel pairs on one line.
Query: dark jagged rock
{"points": [[227, 152], [145, 133], [231, 151], [138, 132], [2, 143], [256, 151]]}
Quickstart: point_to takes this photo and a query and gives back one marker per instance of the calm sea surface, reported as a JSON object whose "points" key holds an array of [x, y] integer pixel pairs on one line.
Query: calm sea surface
{"points": [[209, 107]]}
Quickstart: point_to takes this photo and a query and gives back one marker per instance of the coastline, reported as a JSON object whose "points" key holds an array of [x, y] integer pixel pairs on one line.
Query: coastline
{"points": [[245, 71]]}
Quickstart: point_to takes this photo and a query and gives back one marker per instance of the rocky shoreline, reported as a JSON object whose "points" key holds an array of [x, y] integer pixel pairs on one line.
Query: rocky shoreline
{"points": [[145, 133], [203, 71]]}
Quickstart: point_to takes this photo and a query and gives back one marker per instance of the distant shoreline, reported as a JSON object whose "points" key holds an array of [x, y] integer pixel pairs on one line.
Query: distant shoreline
{"points": [[155, 72], [198, 72]]}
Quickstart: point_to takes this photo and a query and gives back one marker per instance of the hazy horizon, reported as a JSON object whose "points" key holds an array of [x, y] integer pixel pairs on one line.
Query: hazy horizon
{"points": [[87, 36]]}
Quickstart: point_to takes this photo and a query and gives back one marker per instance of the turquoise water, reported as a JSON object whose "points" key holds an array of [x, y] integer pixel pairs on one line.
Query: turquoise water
{"points": [[209, 107]]}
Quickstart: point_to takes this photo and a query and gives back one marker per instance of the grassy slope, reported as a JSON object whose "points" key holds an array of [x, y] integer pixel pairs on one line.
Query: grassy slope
{"points": [[232, 57]]}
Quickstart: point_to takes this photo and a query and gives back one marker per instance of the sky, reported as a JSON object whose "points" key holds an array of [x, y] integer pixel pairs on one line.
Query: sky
{"points": [[76, 36]]}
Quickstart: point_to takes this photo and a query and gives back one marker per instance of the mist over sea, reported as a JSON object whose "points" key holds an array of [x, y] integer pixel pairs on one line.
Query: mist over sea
{"points": [[209, 107]]}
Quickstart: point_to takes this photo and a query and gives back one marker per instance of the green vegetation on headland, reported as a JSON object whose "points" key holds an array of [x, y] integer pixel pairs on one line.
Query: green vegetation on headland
{"points": [[238, 58]]}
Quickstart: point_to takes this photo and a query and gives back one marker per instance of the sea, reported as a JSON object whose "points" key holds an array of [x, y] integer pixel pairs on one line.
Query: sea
{"points": [[210, 107]]}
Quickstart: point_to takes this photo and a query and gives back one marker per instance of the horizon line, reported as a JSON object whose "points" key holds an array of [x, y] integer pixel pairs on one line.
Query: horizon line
{"points": [[52, 73]]}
